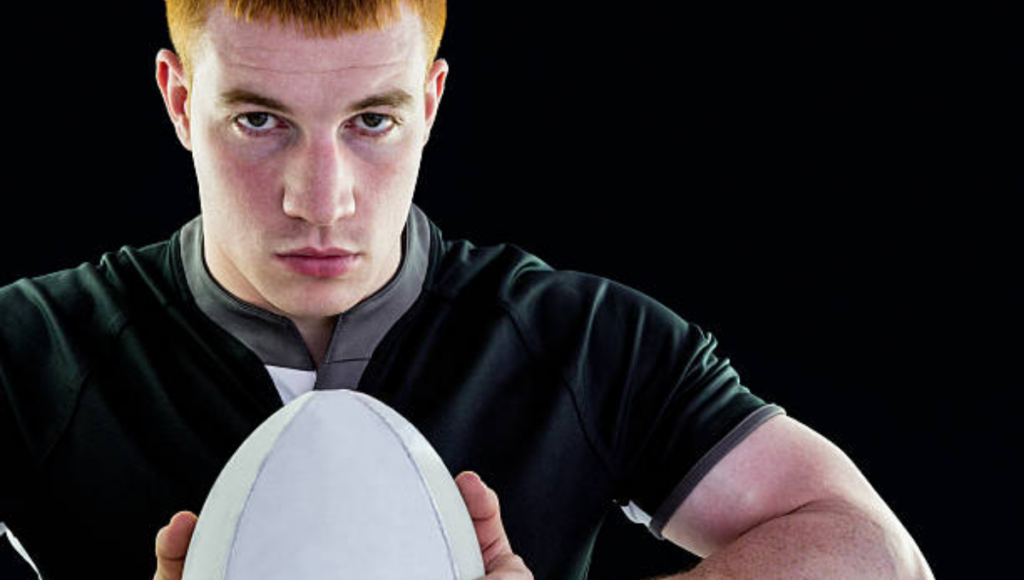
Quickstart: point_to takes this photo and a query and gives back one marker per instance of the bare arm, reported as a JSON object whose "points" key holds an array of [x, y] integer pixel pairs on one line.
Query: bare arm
{"points": [[787, 503]]}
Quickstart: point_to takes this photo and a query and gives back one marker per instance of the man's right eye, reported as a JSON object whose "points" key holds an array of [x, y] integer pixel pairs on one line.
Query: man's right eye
{"points": [[256, 123]]}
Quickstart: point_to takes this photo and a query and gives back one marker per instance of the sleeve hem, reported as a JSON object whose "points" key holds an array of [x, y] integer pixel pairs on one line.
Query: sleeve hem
{"points": [[707, 462]]}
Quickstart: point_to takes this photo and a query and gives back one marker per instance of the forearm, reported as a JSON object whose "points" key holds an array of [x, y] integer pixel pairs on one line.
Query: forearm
{"points": [[818, 541]]}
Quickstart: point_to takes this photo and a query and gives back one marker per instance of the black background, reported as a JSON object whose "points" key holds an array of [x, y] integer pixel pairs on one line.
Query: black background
{"points": [[829, 192]]}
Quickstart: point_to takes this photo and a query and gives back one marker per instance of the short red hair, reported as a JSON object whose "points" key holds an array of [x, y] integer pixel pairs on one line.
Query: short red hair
{"points": [[323, 18]]}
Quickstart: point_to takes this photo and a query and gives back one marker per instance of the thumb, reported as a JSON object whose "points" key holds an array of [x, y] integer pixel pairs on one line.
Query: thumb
{"points": [[172, 545], [483, 507]]}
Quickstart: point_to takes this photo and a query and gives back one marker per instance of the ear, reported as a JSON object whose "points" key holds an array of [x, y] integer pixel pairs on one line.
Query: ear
{"points": [[170, 76], [432, 93]]}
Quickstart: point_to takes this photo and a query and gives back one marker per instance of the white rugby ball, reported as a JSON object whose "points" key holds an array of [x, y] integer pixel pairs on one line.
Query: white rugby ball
{"points": [[335, 484]]}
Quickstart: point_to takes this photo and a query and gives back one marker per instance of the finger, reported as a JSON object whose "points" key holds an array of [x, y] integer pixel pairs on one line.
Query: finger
{"points": [[509, 567], [172, 545], [481, 501], [483, 507]]}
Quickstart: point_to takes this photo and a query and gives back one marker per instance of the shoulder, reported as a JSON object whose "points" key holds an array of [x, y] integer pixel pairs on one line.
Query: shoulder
{"points": [[90, 298], [554, 307], [55, 328]]}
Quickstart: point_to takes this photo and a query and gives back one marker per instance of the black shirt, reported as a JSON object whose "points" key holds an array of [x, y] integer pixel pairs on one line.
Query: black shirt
{"points": [[570, 394]]}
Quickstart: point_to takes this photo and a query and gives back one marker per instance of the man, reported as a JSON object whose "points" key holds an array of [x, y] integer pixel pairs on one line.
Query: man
{"points": [[128, 385]]}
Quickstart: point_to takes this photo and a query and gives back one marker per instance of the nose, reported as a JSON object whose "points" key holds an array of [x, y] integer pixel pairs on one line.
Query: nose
{"points": [[319, 183]]}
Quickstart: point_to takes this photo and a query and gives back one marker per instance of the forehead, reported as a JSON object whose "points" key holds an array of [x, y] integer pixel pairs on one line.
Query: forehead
{"points": [[238, 45]]}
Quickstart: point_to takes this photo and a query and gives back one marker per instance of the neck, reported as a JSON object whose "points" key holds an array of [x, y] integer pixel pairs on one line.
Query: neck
{"points": [[317, 335]]}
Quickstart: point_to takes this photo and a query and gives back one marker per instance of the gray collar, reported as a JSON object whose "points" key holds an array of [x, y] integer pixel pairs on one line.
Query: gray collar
{"points": [[276, 340]]}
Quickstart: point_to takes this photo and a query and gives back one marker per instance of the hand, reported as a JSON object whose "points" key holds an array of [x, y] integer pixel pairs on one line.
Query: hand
{"points": [[481, 501], [172, 544]]}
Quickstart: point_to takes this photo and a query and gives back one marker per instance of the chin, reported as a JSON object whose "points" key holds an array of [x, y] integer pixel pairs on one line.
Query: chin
{"points": [[313, 305]]}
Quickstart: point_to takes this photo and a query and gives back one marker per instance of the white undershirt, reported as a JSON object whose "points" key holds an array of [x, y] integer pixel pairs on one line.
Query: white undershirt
{"points": [[291, 383]]}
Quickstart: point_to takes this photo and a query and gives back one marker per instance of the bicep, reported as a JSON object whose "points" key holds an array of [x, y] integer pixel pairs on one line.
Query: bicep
{"points": [[779, 468]]}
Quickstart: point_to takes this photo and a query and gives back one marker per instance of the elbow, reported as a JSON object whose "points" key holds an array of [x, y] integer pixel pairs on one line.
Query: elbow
{"points": [[882, 541], [908, 559]]}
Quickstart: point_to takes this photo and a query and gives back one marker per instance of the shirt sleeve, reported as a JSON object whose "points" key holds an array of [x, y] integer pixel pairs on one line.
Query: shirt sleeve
{"points": [[13, 459], [37, 386], [662, 403], [715, 454]]}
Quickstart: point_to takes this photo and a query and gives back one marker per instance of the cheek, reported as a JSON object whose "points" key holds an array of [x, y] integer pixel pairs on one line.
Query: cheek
{"points": [[236, 181], [388, 174], [392, 193]]}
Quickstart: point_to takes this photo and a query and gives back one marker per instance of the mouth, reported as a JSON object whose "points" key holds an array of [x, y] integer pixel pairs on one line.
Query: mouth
{"points": [[320, 262], [310, 252]]}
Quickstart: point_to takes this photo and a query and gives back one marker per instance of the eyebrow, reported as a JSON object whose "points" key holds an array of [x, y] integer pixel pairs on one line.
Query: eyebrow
{"points": [[395, 98]]}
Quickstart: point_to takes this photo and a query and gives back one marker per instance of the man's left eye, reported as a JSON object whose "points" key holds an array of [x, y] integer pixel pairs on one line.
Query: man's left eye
{"points": [[377, 123]]}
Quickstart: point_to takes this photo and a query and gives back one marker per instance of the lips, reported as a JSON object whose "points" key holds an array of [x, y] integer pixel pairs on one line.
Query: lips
{"points": [[319, 262], [310, 252]]}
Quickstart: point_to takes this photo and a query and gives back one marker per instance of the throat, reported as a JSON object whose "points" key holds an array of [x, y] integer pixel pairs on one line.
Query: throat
{"points": [[317, 336]]}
